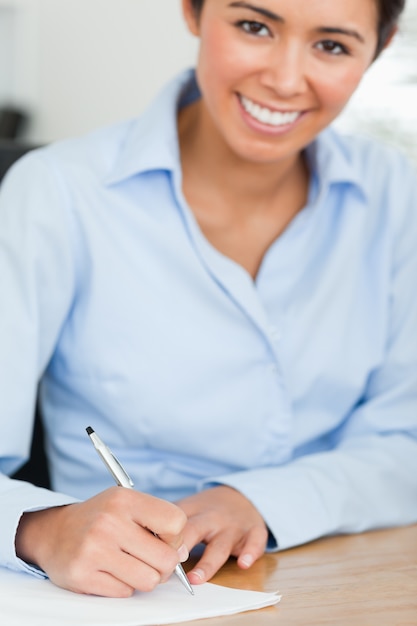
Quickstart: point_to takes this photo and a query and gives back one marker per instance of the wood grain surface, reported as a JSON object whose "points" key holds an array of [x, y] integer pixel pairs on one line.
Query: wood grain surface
{"points": [[366, 580]]}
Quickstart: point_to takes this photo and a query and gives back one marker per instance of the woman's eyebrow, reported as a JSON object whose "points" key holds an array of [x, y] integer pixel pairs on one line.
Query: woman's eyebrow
{"points": [[264, 12], [341, 31]]}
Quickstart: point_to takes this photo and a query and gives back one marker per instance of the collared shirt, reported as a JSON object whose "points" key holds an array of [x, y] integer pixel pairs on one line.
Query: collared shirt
{"points": [[299, 388]]}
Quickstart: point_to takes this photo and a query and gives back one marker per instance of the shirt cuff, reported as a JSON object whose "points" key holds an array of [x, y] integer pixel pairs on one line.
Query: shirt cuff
{"points": [[22, 498]]}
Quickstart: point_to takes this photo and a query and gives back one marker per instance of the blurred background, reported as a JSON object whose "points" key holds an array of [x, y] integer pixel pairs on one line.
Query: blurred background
{"points": [[69, 66]]}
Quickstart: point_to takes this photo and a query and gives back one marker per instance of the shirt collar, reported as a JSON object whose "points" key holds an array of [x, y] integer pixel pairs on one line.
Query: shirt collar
{"points": [[332, 162], [152, 142]]}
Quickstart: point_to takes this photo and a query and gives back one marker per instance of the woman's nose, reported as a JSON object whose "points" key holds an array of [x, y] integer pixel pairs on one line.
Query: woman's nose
{"points": [[285, 70]]}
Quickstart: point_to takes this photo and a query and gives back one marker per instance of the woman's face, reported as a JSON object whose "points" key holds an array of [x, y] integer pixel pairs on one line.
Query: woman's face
{"points": [[274, 73]]}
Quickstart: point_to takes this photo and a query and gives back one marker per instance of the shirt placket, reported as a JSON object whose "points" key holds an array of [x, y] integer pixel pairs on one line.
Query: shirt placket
{"points": [[239, 287]]}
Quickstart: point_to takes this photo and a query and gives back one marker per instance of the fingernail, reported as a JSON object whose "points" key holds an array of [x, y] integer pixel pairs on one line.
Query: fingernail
{"points": [[183, 553], [246, 560], [198, 572]]}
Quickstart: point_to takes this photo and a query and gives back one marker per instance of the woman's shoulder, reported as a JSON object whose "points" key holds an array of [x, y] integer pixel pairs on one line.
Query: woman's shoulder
{"points": [[384, 175], [370, 155], [94, 152], [89, 156], [376, 168]]}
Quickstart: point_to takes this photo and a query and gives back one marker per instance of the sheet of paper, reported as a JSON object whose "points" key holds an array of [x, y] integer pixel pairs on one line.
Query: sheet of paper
{"points": [[27, 600]]}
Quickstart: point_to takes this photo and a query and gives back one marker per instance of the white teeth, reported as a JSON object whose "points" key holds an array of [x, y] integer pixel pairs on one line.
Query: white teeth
{"points": [[266, 116]]}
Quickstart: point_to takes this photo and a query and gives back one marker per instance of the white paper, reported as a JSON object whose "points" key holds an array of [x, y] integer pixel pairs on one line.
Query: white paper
{"points": [[27, 600]]}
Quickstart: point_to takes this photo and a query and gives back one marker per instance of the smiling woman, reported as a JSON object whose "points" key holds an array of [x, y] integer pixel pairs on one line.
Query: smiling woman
{"points": [[222, 288]]}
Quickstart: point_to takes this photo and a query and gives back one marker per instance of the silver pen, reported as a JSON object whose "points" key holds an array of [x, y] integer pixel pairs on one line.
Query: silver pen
{"points": [[123, 479]]}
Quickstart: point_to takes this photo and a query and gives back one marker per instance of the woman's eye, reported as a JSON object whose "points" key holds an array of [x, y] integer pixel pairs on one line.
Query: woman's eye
{"points": [[253, 28], [332, 47]]}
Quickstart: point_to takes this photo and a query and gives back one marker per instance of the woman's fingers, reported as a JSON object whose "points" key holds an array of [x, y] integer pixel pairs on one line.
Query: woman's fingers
{"points": [[224, 545], [228, 523], [253, 547], [216, 553]]}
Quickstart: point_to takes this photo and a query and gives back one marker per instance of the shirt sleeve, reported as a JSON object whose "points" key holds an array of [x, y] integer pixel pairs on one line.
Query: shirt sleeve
{"points": [[37, 278], [369, 479]]}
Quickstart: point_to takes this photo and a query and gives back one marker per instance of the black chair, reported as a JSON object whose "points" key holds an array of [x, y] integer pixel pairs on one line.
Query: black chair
{"points": [[36, 469], [12, 120]]}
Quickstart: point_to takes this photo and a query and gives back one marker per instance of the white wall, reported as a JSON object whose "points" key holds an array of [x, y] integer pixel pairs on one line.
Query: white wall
{"points": [[7, 34], [19, 52], [97, 61]]}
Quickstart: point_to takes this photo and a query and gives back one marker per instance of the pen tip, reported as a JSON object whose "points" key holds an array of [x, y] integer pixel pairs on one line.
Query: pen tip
{"points": [[89, 430]]}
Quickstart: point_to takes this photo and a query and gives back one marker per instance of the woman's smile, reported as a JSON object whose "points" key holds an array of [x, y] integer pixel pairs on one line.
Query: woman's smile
{"points": [[264, 118]]}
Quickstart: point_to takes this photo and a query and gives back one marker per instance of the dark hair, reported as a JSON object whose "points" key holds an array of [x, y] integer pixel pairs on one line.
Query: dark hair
{"points": [[389, 13]]}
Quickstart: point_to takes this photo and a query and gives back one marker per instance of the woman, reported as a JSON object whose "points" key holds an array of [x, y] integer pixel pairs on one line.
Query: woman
{"points": [[222, 289]]}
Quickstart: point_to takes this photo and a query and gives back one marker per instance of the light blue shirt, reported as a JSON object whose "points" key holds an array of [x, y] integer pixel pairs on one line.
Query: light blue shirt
{"points": [[298, 389]]}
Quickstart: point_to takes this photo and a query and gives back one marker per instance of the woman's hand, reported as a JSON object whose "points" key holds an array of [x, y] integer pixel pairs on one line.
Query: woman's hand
{"points": [[229, 524], [103, 546]]}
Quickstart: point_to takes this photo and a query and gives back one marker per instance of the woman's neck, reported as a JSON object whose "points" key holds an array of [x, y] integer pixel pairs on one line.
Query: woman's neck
{"points": [[241, 207], [244, 185]]}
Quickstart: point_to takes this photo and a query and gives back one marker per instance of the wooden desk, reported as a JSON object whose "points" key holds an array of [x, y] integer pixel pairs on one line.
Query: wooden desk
{"points": [[363, 580]]}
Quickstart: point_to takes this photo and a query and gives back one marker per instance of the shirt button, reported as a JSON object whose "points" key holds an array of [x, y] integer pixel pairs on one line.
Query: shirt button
{"points": [[274, 369]]}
